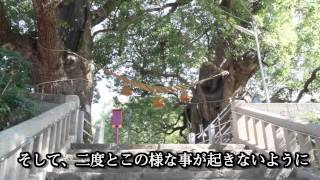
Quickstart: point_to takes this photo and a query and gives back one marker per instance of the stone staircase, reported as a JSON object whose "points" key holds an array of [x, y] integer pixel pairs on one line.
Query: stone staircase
{"points": [[262, 128], [164, 173]]}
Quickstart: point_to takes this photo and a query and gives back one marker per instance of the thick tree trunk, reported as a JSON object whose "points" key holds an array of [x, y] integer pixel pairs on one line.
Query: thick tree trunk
{"points": [[65, 28], [212, 96], [77, 38], [62, 49], [49, 64]]}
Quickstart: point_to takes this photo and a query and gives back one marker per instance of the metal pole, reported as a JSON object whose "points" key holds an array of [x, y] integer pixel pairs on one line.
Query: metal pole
{"points": [[129, 126], [211, 133], [80, 127], [260, 63], [117, 140], [192, 138], [100, 133]]}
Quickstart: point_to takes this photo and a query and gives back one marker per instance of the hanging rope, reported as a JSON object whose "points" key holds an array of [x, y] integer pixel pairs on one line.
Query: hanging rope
{"points": [[182, 88], [162, 89]]}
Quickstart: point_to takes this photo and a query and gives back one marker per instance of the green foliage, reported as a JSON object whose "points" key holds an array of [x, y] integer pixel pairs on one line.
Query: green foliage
{"points": [[15, 103], [148, 47], [147, 124], [313, 117], [291, 42], [21, 15], [168, 47]]}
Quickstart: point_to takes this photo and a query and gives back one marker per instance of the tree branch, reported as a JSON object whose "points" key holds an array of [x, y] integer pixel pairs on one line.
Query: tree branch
{"points": [[143, 71], [103, 12], [166, 126], [307, 83], [102, 31], [169, 5], [165, 75], [181, 79], [173, 6], [179, 128], [11, 40], [52, 4], [128, 21], [276, 97], [226, 4], [4, 25]]}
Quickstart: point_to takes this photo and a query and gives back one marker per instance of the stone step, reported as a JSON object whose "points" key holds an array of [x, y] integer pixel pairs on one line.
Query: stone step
{"points": [[205, 175], [261, 171], [160, 175], [258, 170], [105, 147], [71, 158], [147, 173], [72, 153], [174, 148], [237, 171]]}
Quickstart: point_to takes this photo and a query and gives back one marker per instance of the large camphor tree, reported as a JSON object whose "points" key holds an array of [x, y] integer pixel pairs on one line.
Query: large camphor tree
{"points": [[52, 30], [165, 43]]}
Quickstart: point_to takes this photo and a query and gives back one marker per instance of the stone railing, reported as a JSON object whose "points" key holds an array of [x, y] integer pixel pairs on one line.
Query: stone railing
{"points": [[265, 131], [51, 131]]}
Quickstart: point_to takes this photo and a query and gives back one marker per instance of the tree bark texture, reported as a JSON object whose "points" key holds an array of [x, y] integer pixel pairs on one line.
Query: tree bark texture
{"points": [[62, 27], [212, 96]]}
